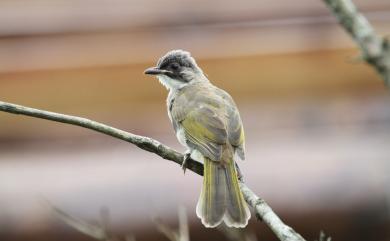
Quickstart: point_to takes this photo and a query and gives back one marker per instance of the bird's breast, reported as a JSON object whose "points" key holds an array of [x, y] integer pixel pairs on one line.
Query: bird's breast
{"points": [[180, 135]]}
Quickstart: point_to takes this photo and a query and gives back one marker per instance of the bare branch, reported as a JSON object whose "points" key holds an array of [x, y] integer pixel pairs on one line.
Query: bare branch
{"points": [[93, 231], [182, 234], [146, 143], [169, 233], [375, 49], [99, 232], [324, 237], [263, 211]]}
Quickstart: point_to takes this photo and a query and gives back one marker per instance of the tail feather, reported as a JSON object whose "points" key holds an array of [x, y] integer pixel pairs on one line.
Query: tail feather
{"points": [[221, 199], [237, 211]]}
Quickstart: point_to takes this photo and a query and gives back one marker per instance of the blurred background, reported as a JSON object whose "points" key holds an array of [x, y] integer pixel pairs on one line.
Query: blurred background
{"points": [[317, 119]]}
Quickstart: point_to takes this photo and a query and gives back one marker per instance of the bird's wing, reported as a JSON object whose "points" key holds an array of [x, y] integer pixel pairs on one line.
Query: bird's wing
{"points": [[235, 129], [201, 115], [210, 119]]}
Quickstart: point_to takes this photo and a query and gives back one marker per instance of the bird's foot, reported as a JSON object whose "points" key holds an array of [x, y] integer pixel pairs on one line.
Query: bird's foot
{"points": [[239, 173], [186, 157]]}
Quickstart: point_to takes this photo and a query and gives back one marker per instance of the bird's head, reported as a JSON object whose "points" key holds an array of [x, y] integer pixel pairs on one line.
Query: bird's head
{"points": [[177, 69]]}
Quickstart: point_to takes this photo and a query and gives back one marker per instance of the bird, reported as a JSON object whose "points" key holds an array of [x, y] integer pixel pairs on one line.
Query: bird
{"points": [[206, 121]]}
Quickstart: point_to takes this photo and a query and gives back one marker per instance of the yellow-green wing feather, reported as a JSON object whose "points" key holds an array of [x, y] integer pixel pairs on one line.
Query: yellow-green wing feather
{"points": [[210, 119], [205, 132], [212, 126]]}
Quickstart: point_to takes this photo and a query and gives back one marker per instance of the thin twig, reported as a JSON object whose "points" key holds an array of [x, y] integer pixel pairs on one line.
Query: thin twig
{"points": [[99, 232], [168, 232], [262, 210], [93, 231], [375, 49], [184, 232], [181, 234], [323, 237]]}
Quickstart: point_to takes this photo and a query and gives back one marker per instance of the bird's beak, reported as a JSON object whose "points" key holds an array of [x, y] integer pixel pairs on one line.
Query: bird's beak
{"points": [[155, 71]]}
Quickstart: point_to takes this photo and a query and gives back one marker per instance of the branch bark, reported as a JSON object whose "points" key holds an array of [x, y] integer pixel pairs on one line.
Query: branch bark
{"points": [[261, 208], [375, 49]]}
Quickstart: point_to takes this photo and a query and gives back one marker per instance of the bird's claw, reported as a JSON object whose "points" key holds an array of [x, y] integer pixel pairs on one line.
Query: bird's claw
{"points": [[186, 157]]}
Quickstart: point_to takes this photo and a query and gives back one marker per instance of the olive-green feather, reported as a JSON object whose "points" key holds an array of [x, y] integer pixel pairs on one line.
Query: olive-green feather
{"points": [[210, 119], [205, 132], [221, 198], [212, 125], [237, 213], [211, 206]]}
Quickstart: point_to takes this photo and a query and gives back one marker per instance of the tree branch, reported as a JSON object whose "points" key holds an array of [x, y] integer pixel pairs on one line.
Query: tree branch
{"points": [[96, 231], [262, 210], [375, 49], [181, 234]]}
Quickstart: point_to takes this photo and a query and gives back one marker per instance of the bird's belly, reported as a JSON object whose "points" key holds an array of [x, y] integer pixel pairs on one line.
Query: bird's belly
{"points": [[195, 154], [180, 135]]}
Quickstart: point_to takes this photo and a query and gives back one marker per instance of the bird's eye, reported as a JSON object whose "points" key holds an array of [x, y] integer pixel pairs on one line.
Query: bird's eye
{"points": [[175, 66]]}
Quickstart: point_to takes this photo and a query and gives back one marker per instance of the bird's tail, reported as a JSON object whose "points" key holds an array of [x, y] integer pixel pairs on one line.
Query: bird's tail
{"points": [[221, 198]]}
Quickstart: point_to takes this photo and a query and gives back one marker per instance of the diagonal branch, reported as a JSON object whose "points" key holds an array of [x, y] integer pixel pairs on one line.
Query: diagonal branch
{"points": [[93, 231], [181, 234], [142, 142], [375, 49], [261, 208]]}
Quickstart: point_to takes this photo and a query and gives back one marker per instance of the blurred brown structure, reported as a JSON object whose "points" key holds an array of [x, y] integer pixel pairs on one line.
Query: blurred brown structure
{"points": [[317, 119]]}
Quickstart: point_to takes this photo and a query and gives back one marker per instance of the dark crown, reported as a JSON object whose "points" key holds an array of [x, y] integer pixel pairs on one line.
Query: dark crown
{"points": [[183, 58]]}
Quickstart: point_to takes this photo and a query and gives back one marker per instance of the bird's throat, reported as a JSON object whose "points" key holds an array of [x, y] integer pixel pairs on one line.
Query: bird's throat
{"points": [[169, 83]]}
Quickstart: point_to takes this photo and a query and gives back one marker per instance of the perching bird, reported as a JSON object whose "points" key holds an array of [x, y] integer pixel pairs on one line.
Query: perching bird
{"points": [[207, 122]]}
